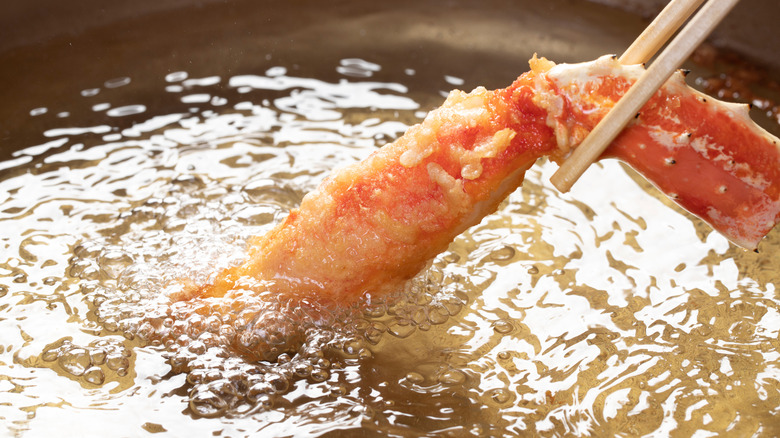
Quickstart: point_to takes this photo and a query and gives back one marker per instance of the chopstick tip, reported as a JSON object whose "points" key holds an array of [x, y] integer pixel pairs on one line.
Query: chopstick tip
{"points": [[562, 181]]}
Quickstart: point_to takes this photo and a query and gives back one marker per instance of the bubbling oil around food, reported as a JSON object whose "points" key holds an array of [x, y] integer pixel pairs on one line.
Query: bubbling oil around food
{"points": [[601, 313]]}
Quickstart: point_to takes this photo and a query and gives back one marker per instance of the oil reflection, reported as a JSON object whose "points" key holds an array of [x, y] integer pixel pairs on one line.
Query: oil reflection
{"points": [[604, 312]]}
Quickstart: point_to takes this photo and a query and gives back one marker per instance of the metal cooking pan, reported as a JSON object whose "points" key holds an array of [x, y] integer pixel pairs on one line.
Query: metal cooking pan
{"points": [[605, 312], [48, 47]]}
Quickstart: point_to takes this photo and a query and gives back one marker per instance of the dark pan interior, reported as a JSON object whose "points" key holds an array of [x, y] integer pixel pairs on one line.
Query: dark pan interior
{"points": [[49, 51]]}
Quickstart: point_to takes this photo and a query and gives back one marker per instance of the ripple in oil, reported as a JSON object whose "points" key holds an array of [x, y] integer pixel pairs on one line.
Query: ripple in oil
{"points": [[603, 312]]}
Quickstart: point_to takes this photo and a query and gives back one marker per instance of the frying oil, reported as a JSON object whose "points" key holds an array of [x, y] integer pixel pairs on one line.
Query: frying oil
{"points": [[604, 312]]}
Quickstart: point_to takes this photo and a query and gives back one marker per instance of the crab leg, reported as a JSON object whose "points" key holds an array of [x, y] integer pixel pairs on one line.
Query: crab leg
{"points": [[373, 225], [705, 154]]}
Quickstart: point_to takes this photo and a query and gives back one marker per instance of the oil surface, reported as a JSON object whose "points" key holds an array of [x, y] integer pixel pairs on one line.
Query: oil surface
{"points": [[603, 312]]}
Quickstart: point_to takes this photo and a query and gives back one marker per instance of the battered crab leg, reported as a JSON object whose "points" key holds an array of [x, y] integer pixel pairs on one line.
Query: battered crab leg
{"points": [[707, 155], [373, 225]]}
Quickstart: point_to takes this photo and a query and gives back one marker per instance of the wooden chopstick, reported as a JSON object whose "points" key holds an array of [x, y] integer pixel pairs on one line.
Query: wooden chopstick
{"points": [[659, 31], [681, 47]]}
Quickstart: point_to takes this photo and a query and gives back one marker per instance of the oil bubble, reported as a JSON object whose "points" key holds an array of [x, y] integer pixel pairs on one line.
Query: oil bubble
{"points": [[451, 307], [436, 316], [50, 355], [452, 377], [352, 347], [502, 326], [375, 310], [500, 395], [362, 411], [373, 335], [319, 375], [415, 378], [503, 254], [117, 361], [451, 257], [113, 262], [94, 375], [418, 316], [195, 377], [207, 404], [401, 329], [97, 356], [338, 390], [278, 383], [258, 390], [302, 369], [75, 361]]}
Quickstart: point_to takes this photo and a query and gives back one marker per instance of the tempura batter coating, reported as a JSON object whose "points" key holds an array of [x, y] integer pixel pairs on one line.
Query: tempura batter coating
{"points": [[373, 225]]}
